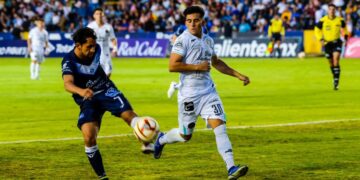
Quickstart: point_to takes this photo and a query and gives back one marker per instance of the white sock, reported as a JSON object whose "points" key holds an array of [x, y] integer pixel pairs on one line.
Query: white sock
{"points": [[37, 70], [224, 145], [177, 86], [32, 70], [172, 136], [134, 121], [90, 151]]}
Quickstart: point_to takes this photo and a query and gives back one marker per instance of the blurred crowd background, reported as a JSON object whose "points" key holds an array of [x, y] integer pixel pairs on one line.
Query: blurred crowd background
{"points": [[222, 16]]}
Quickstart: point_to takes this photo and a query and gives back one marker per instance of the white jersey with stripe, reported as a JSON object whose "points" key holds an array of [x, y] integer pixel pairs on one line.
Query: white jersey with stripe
{"points": [[38, 39], [194, 50], [104, 35]]}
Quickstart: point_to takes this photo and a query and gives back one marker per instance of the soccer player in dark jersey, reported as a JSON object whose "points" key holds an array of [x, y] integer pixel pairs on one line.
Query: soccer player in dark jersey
{"points": [[276, 32], [95, 93], [328, 31]]}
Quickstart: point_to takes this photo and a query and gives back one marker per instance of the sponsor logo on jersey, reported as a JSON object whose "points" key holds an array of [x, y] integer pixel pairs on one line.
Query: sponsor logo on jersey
{"points": [[179, 44], [189, 106], [66, 68]]}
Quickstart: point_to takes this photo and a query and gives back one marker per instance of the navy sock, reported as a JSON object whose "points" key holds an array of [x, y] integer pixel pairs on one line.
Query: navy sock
{"points": [[336, 72], [279, 52], [95, 160]]}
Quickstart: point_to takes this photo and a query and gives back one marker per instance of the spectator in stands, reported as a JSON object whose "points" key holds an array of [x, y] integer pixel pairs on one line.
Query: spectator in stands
{"points": [[244, 25], [349, 25], [228, 29]]}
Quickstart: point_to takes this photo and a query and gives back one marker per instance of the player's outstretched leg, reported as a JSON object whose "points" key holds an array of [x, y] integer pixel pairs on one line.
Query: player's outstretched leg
{"points": [[172, 88], [172, 136], [146, 148]]}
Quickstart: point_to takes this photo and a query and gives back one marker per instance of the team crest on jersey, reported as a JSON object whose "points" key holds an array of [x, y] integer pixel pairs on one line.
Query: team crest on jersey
{"points": [[112, 92], [179, 44]]}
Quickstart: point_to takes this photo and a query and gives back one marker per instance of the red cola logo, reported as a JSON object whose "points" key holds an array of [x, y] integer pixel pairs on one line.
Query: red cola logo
{"points": [[141, 48]]}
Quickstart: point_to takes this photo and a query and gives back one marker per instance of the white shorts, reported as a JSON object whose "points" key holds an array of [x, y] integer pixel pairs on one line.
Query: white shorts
{"points": [[37, 56], [106, 63], [208, 106]]}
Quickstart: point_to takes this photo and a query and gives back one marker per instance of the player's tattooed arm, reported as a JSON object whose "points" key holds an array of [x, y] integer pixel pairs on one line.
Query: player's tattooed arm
{"points": [[222, 67], [72, 88]]}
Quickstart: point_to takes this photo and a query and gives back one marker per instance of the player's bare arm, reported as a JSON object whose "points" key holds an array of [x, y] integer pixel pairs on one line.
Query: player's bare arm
{"points": [[173, 39], [176, 65], [114, 51], [225, 69], [29, 45], [46, 44], [72, 88]]}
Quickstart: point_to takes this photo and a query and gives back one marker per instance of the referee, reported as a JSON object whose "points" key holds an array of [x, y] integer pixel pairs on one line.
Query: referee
{"points": [[275, 32], [328, 31]]}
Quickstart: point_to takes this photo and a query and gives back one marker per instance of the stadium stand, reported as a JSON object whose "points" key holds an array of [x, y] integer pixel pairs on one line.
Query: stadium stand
{"points": [[165, 15]]}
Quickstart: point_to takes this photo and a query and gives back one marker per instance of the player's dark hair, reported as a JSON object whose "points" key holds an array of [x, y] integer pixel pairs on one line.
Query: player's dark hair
{"points": [[37, 18], [332, 5], [193, 10], [98, 9], [82, 34]]}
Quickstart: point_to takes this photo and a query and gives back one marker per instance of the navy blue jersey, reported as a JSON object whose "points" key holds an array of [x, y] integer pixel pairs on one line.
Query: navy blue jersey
{"points": [[182, 28], [86, 74]]}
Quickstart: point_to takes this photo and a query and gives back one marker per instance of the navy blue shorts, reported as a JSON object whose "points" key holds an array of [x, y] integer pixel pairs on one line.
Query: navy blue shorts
{"points": [[111, 100]]}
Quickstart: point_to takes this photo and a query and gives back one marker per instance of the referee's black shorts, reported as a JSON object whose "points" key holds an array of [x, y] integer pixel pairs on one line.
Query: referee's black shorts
{"points": [[276, 36], [331, 47]]}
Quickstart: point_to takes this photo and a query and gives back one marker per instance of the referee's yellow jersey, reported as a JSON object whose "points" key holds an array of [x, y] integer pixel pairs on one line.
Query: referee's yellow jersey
{"points": [[276, 26], [330, 29]]}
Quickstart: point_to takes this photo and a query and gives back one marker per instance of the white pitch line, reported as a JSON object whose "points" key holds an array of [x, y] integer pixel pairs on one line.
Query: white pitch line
{"points": [[204, 129]]}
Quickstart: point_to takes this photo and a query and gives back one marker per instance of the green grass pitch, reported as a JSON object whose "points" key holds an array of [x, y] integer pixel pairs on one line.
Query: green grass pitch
{"points": [[281, 92]]}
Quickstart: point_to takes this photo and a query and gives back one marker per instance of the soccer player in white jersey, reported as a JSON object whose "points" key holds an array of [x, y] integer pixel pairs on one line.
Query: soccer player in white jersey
{"points": [[192, 55], [37, 42], [175, 85], [105, 34]]}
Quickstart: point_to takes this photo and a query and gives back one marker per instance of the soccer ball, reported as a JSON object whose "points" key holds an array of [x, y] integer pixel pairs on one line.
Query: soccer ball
{"points": [[146, 129], [301, 55]]}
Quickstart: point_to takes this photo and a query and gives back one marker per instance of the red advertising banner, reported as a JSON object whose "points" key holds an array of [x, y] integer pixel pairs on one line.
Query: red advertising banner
{"points": [[353, 48]]}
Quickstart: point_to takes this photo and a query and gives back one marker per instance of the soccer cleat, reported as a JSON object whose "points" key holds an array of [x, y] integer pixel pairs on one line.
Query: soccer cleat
{"points": [[104, 178], [147, 148], [237, 171], [172, 89], [158, 147]]}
